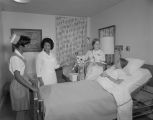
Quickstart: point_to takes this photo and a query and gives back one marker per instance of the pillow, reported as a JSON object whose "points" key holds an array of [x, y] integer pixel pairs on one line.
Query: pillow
{"points": [[133, 65]]}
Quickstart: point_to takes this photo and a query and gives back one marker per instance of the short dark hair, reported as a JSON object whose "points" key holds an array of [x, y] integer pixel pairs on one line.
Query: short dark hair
{"points": [[123, 62], [47, 40], [23, 40], [94, 41]]}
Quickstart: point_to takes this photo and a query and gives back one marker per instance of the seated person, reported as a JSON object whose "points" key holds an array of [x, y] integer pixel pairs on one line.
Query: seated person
{"points": [[96, 58], [92, 62]]}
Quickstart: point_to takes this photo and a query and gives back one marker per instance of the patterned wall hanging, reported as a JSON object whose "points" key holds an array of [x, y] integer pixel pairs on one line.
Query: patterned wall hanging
{"points": [[71, 34]]}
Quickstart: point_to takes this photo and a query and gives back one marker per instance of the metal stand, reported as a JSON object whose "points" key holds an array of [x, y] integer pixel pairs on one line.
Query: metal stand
{"points": [[38, 108]]}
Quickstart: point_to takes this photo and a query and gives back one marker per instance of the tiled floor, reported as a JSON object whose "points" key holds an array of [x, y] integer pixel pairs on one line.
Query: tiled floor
{"points": [[6, 113]]}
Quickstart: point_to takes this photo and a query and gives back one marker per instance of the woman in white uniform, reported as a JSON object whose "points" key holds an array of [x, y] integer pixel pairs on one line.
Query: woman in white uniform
{"points": [[20, 85], [46, 63], [96, 59]]}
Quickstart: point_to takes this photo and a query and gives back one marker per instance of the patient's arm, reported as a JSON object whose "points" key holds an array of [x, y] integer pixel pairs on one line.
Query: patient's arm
{"points": [[100, 63], [117, 81]]}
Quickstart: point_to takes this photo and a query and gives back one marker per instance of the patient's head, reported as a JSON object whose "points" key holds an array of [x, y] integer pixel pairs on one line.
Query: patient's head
{"points": [[121, 63]]}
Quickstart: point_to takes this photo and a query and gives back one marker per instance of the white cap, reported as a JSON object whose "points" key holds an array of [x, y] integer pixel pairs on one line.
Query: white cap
{"points": [[15, 38]]}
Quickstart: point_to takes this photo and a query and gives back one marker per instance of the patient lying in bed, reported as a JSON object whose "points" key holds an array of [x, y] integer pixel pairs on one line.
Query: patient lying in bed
{"points": [[88, 100], [111, 81], [127, 74], [119, 83]]}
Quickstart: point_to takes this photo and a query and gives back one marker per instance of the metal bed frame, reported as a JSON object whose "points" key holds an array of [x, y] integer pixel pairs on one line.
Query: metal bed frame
{"points": [[140, 108], [37, 107], [143, 108], [39, 113]]}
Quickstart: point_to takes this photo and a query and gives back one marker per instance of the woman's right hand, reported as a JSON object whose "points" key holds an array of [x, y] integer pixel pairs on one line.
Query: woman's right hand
{"points": [[41, 84], [41, 81], [34, 89]]}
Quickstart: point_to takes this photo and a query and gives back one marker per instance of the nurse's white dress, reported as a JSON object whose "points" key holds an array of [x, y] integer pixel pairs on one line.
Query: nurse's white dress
{"points": [[93, 69], [45, 67]]}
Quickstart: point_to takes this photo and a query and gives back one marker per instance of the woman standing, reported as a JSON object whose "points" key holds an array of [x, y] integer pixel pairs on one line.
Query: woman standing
{"points": [[96, 59], [20, 85], [46, 63]]}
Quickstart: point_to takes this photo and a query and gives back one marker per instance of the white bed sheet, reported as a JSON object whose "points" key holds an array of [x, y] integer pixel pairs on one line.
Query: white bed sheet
{"points": [[122, 91], [137, 79]]}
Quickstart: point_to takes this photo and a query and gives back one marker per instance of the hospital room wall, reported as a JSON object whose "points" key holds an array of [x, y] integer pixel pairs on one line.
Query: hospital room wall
{"points": [[24, 21], [1, 54], [30, 21], [133, 20], [151, 32]]}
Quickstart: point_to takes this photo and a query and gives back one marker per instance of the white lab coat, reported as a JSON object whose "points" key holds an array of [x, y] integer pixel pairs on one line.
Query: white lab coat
{"points": [[45, 67]]}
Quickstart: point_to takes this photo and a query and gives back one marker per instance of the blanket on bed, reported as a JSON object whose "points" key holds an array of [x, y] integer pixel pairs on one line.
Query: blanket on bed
{"points": [[83, 100], [121, 95]]}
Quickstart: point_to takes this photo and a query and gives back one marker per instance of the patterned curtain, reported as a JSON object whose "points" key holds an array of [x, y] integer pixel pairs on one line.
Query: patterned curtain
{"points": [[71, 34]]}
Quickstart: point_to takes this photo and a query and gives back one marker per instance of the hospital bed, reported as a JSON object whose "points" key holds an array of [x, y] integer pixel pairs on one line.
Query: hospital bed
{"points": [[84, 100]]}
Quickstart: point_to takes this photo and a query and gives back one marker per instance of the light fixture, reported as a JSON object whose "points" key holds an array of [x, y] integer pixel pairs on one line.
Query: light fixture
{"points": [[22, 1], [107, 45]]}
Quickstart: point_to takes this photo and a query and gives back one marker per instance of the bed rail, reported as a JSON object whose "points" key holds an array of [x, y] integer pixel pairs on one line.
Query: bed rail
{"points": [[38, 107], [143, 107]]}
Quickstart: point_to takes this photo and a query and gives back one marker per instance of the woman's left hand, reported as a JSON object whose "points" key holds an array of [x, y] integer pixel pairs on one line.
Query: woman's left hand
{"points": [[34, 82], [41, 83], [118, 81], [104, 74]]}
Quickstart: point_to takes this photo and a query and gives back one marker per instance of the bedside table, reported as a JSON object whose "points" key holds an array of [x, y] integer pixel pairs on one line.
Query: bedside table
{"points": [[73, 77]]}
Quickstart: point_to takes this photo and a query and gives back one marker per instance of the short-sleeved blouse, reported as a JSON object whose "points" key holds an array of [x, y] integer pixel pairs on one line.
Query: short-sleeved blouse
{"points": [[16, 63], [95, 56]]}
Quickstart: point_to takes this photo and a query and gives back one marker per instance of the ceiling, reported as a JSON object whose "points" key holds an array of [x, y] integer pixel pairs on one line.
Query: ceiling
{"points": [[87, 8]]}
